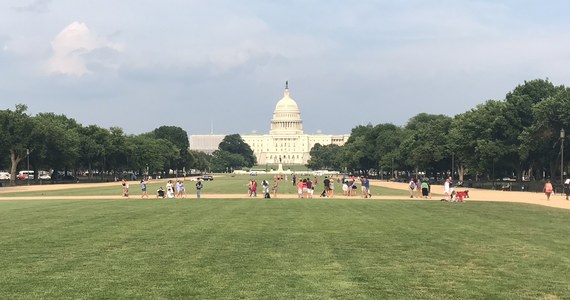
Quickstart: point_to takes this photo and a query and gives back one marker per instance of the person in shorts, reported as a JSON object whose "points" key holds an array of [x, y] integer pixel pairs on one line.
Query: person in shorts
{"points": [[125, 185], [425, 189], [412, 187], [548, 189], [144, 183], [179, 189]]}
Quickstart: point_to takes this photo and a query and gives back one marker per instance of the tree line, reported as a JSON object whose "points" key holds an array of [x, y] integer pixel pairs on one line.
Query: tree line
{"points": [[56, 142], [519, 136]]}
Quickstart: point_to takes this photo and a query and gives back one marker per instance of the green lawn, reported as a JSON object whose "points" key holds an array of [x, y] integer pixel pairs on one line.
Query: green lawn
{"points": [[282, 249]]}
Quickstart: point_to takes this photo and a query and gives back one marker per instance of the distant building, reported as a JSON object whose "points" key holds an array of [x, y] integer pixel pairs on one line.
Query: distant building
{"points": [[286, 142], [206, 143]]}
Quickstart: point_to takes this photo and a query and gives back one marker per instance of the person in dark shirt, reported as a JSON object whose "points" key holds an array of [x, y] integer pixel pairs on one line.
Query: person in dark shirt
{"points": [[327, 184]]}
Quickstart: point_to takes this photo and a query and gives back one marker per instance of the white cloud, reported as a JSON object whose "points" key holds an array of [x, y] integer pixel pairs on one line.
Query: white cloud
{"points": [[72, 47]]}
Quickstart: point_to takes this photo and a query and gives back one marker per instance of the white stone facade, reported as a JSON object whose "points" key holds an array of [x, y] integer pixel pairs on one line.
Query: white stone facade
{"points": [[286, 142]]}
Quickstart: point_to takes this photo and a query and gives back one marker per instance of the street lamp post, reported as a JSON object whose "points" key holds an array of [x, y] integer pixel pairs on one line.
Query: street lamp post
{"points": [[562, 136], [28, 157]]}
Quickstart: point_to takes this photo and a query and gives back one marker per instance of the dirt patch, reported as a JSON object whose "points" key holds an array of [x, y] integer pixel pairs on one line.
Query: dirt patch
{"points": [[557, 200]]}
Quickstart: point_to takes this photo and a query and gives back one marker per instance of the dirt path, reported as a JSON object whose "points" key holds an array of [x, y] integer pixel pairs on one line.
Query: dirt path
{"points": [[557, 200]]}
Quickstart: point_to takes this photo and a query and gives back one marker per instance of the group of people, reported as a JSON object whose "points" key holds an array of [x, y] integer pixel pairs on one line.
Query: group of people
{"points": [[252, 187], [421, 188], [173, 189], [305, 188], [349, 186]]}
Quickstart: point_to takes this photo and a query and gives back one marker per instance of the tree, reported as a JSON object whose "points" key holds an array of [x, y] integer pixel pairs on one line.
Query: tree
{"points": [[387, 146], [223, 161], [150, 153], [234, 144], [324, 157], [94, 144], [201, 160], [15, 138], [178, 137], [358, 153], [425, 143], [117, 154], [56, 141], [541, 140]]}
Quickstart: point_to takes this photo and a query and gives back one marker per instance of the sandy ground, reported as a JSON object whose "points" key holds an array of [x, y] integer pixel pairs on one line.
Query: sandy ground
{"points": [[558, 201]]}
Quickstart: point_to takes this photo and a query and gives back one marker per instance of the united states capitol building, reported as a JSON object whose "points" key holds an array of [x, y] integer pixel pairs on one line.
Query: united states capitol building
{"points": [[286, 142]]}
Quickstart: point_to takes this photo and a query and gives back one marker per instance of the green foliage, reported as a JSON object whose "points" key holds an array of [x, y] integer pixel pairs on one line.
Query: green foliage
{"points": [[324, 157], [56, 142], [179, 138], [234, 144], [426, 144], [15, 138], [94, 144], [518, 135]]}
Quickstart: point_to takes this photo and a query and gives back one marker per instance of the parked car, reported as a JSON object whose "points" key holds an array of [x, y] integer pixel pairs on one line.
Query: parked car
{"points": [[207, 177], [65, 179], [4, 176]]}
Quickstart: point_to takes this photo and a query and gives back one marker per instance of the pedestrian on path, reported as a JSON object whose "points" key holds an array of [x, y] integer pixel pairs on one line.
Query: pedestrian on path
{"points": [[199, 187], [548, 189]]}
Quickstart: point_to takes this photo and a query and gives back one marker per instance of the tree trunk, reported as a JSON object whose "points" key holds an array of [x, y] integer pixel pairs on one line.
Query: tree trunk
{"points": [[461, 171], [14, 160]]}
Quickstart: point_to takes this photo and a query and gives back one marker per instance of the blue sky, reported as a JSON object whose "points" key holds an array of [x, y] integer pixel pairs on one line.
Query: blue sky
{"points": [[140, 64]]}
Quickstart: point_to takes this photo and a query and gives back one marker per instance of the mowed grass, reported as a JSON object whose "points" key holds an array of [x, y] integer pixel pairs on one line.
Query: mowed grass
{"points": [[282, 249], [220, 185]]}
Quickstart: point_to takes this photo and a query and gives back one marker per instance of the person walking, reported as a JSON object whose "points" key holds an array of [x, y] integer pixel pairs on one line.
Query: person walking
{"points": [[169, 189], [412, 186], [179, 189], [366, 187], [254, 188], [275, 186], [144, 183], [548, 189], [125, 185], [425, 188], [199, 187], [567, 188]]}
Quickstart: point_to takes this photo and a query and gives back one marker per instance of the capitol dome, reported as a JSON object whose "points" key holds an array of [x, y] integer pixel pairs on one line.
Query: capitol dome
{"points": [[287, 116]]}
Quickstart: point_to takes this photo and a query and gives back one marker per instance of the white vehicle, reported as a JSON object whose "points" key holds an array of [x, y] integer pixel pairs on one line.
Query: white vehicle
{"points": [[44, 175], [23, 175], [4, 176]]}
